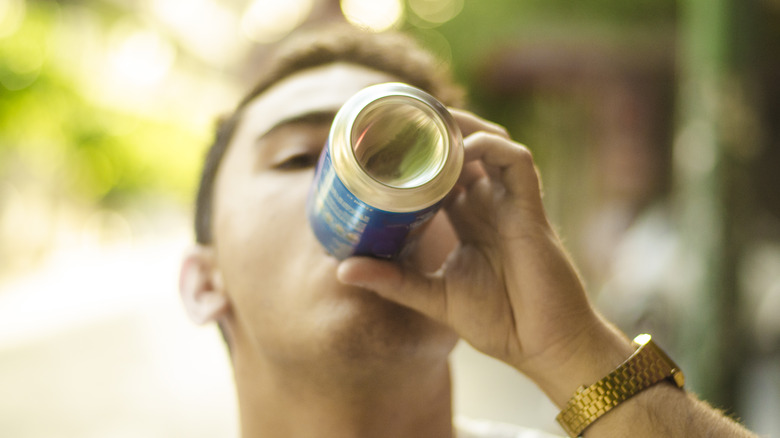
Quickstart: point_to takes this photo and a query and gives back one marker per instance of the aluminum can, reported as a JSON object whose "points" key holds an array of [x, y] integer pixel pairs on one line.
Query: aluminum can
{"points": [[393, 153]]}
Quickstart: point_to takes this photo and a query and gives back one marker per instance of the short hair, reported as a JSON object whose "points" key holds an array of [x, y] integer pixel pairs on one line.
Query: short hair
{"points": [[390, 52]]}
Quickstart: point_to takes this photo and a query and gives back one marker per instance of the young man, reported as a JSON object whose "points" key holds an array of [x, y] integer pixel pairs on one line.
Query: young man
{"points": [[360, 348]]}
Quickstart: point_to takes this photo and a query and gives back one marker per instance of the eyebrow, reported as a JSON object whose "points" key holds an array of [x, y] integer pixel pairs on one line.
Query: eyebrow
{"points": [[318, 117]]}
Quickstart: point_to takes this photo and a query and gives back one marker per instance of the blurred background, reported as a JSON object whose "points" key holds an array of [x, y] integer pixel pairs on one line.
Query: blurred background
{"points": [[656, 125]]}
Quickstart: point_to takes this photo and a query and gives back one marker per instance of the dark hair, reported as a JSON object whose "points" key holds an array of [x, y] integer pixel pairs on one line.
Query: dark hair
{"points": [[389, 52]]}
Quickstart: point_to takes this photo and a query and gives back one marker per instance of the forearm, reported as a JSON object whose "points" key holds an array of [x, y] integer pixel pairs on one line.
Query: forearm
{"points": [[662, 410], [510, 290], [665, 411]]}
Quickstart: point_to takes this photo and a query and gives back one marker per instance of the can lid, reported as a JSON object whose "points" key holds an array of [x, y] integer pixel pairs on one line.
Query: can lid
{"points": [[396, 147]]}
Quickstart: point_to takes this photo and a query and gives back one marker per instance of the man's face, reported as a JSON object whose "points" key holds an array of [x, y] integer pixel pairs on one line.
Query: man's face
{"points": [[285, 300]]}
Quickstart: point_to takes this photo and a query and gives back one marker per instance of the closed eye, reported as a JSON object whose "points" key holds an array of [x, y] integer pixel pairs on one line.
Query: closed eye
{"points": [[298, 162]]}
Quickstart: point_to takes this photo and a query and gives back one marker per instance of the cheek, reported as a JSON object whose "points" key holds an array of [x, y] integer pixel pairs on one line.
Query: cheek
{"points": [[259, 229], [263, 244], [263, 209]]}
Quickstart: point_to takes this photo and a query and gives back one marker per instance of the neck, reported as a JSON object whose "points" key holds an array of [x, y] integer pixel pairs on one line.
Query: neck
{"points": [[403, 400]]}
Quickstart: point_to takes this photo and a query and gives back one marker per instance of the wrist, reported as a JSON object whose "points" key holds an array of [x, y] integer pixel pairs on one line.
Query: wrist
{"points": [[647, 366], [583, 359]]}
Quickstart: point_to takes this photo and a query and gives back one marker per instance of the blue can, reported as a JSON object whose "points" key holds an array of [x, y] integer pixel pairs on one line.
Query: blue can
{"points": [[393, 153]]}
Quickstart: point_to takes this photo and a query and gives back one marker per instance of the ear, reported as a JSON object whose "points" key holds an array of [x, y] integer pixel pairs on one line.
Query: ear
{"points": [[200, 286]]}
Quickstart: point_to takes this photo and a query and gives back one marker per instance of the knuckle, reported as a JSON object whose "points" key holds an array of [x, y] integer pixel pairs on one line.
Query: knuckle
{"points": [[486, 137], [481, 136], [523, 153]]}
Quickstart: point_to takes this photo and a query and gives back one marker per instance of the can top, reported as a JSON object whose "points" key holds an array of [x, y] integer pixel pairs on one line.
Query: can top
{"points": [[396, 147]]}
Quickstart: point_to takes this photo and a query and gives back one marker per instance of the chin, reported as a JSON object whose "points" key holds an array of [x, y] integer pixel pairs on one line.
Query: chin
{"points": [[357, 324], [368, 328]]}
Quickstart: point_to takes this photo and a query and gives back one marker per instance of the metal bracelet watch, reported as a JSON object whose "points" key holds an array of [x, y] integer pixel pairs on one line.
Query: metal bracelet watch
{"points": [[646, 367]]}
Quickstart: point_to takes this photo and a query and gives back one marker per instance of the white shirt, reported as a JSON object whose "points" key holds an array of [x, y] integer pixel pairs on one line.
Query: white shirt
{"points": [[470, 428]]}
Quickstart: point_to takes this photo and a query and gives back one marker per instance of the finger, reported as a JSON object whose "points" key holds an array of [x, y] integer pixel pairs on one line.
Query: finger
{"points": [[470, 123], [470, 216], [397, 283], [470, 173], [504, 160], [473, 170]]}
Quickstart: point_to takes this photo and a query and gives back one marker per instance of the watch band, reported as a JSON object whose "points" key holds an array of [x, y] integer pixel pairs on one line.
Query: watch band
{"points": [[646, 367]]}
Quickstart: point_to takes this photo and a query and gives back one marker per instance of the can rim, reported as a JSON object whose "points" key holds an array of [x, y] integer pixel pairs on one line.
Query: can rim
{"points": [[377, 193]]}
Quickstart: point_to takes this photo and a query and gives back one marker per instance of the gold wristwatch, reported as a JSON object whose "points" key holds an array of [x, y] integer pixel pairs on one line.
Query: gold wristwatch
{"points": [[646, 367]]}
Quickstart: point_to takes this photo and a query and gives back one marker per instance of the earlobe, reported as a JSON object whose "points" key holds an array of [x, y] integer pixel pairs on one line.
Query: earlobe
{"points": [[200, 286]]}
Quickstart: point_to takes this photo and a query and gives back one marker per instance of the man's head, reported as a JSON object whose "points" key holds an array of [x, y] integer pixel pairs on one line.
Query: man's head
{"points": [[392, 53], [258, 270]]}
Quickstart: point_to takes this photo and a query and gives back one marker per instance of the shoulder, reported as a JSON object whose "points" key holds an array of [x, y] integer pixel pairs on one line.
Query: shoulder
{"points": [[470, 428]]}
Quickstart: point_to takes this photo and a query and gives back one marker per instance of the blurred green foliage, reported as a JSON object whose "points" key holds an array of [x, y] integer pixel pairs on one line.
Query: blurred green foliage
{"points": [[55, 138], [482, 26], [564, 58]]}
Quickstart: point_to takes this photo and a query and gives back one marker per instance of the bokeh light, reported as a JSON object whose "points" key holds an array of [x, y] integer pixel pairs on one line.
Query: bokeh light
{"points": [[24, 47], [207, 29], [436, 11], [140, 57], [268, 21], [11, 16], [376, 15], [437, 44]]}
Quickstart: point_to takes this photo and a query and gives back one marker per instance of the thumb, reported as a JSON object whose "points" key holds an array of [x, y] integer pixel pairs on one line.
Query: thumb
{"points": [[401, 284]]}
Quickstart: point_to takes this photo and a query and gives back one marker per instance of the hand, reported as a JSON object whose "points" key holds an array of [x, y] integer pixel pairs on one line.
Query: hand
{"points": [[508, 288]]}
